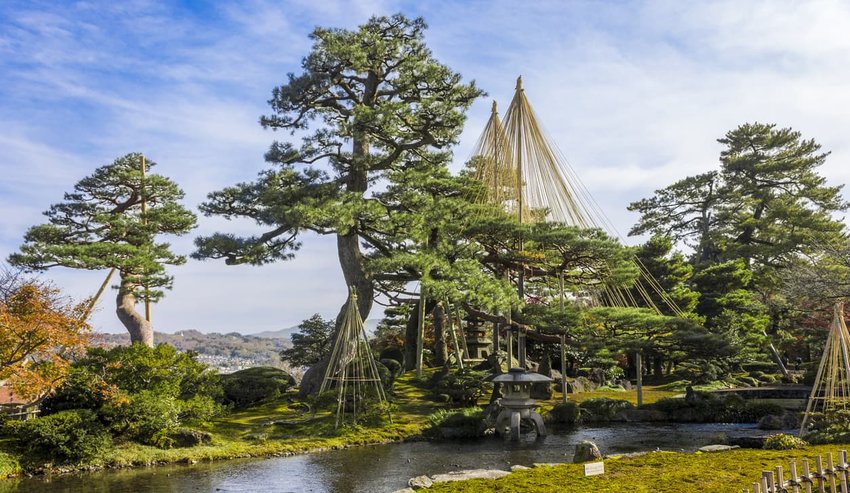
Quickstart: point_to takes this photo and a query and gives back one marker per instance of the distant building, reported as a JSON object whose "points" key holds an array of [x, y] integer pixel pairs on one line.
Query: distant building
{"points": [[14, 405]]}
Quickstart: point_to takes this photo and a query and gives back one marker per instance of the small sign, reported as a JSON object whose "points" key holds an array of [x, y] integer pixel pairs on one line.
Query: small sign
{"points": [[594, 469]]}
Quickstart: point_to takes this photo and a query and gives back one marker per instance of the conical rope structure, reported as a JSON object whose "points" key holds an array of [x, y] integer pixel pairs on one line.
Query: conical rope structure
{"points": [[525, 173], [352, 369], [831, 390]]}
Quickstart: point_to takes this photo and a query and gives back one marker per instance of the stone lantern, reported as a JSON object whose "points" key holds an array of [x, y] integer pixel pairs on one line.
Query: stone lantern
{"points": [[477, 342], [517, 404]]}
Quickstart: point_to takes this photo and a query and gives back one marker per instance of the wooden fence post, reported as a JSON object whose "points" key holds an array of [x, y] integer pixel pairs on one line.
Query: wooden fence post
{"points": [[820, 476], [842, 470], [794, 481], [767, 480], [831, 471], [807, 476]]}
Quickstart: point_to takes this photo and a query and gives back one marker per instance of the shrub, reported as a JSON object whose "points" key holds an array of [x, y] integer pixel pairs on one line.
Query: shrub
{"points": [[247, 387], [393, 366], [699, 371], [146, 418], [763, 366], [707, 408], [457, 423], [395, 354], [781, 441], [564, 413], [464, 387], [73, 435], [753, 411], [749, 381], [831, 427], [603, 408]]}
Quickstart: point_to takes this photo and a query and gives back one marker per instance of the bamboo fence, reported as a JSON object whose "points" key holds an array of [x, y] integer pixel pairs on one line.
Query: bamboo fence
{"points": [[827, 476]]}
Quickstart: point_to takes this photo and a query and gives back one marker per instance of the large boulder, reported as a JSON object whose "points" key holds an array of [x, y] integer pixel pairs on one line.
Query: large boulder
{"points": [[586, 451]]}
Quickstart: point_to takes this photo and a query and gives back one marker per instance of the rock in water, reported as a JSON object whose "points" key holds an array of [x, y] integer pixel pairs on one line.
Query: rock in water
{"points": [[586, 451], [420, 482]]}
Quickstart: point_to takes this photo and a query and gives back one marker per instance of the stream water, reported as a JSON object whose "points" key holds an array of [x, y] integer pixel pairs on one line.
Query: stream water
{"points": [[379, 468]]}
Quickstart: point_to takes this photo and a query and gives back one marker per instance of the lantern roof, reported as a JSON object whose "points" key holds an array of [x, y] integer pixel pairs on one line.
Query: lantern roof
{"points": [[519, 375]]}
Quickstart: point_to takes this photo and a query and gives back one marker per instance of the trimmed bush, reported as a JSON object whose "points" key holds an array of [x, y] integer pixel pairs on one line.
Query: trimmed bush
{"points": [[251, 386], [564, 413], [464, 387], [72, 436], [781, 441], [707, 408], [762, 366], [602, 409], [457, 423]]}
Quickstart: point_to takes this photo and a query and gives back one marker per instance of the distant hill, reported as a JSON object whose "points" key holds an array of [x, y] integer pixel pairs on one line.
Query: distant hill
{"points": [[226, 352], [286, 333]]}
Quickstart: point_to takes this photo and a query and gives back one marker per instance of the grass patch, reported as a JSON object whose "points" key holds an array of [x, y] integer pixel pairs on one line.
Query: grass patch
{"points": [[249, 433], [658, 471]]}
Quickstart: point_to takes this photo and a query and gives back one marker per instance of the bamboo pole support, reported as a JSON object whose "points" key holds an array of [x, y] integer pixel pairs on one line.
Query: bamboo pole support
{"points": [[420, 331], [145, 221], [458, 354], [97, 295], [462, 334], [639, 369], [564, 366]]}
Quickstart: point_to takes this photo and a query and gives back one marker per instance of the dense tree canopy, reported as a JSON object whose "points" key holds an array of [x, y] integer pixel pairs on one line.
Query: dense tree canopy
{"points": [[767, 203], [101, 225]]}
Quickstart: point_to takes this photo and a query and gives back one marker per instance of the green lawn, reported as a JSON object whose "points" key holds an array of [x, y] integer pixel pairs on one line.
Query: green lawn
{"points": [[655, 472]]}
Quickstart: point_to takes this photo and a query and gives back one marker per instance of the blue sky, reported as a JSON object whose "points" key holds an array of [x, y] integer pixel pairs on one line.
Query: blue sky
{"points": [[634, 94]]}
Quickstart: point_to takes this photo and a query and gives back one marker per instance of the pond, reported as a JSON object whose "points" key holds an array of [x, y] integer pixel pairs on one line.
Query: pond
{"points": [[380, 468]]}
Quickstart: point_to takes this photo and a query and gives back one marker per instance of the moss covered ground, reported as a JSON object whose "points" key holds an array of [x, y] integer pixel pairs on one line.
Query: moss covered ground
{"points": [[667, 472]]}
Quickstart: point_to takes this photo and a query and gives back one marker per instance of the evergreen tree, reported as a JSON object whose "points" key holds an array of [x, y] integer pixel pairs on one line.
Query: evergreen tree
{"points": [[100, 225], [767, 204], [377, 101], [312, 342]]}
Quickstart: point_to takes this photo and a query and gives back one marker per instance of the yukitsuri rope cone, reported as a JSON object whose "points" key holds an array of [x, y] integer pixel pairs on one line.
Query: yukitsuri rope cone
{"points": [[525, 173], [831, 390], [352, 369]]}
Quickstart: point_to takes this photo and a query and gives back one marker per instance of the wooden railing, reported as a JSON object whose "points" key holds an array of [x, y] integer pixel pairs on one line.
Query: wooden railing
{"points": [[23, 413], [830, 477]]}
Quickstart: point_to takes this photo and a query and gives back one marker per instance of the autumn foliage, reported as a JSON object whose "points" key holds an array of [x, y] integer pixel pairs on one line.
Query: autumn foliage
{"points": [[40, 333]]}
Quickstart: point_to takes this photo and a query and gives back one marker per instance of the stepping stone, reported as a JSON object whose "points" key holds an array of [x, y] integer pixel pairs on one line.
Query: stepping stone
{"points": [[470, 474], [717, 448]]}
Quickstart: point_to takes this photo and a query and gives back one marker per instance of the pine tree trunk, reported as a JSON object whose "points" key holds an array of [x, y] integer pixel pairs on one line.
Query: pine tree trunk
{"points": [[140, 330], [351, 259], [440, 347]]}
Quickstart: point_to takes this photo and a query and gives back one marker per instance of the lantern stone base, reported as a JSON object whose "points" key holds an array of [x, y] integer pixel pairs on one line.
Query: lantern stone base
{"points": [[512, 417], [517, 405]]}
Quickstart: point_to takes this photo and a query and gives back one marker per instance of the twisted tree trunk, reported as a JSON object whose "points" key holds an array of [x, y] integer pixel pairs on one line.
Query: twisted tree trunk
{"points": [[141, 331]]}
